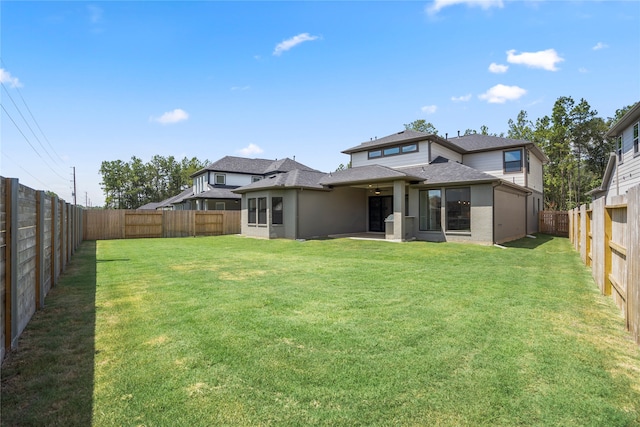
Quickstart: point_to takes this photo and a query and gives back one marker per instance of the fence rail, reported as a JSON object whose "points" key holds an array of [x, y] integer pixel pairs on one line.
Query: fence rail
{"points": [[607, 236], [129, 224], [38, 236]]}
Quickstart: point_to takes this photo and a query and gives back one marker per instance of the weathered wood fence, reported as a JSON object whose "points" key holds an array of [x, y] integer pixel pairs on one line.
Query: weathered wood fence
{"points": [[130, 224], [554, 222], [608, 239], [38, 236]]}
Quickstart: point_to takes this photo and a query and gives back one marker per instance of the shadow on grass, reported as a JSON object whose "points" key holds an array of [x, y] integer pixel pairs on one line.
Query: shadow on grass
{"points": [[48, 379], [529, 243]]}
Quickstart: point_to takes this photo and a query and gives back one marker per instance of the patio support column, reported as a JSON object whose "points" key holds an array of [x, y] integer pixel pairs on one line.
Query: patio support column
{"points": [[398, 209]]}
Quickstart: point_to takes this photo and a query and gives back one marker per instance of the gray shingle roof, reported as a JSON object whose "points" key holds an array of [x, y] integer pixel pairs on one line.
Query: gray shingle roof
{"points": [[442, 172], [478, 142], [297, 178], [365, 174], [245, 165], [215, 193]]}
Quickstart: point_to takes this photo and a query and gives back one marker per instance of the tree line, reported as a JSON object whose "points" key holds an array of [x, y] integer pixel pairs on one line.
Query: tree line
{"points": [[572, 137], [129, 185]]}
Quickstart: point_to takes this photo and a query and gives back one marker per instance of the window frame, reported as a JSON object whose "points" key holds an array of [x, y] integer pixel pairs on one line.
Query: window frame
{"points": [[380, 152], [636, 137], [218, 204], [262, 211], [252, 210], [463, 206], [277, 215], [619, 146], [219, 175], [425, 210], [505, 162]]}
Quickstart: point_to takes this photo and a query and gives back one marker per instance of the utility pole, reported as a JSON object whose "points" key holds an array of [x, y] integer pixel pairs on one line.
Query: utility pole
{"points": [[74, 186]]}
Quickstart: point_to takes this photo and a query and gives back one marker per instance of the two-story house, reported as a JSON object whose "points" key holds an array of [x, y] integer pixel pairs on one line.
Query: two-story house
{"points": [[213, 185], [623, 168], [408, 185]]}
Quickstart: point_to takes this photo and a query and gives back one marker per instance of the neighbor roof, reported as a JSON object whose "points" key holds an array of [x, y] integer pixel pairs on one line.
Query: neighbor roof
{"points": [[632, 116], [297, 178], [215, 193], [245, 165]]}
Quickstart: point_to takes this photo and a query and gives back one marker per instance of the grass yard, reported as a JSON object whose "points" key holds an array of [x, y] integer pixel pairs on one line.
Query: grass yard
{"points": [[236, 331]]}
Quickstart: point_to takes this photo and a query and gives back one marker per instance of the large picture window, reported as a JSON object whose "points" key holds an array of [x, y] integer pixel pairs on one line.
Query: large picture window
{"points": [[262, 210], [458, 209], [430, 212], [276, 210], [513, 161], [252, 211]]}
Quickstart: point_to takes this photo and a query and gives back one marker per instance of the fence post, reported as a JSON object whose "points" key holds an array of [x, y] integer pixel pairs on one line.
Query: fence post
{"points": [[40, 249], [607, 250], [11, 265]]}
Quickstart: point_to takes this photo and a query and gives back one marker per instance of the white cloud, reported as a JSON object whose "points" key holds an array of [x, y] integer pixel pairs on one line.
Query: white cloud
{"points": [[499, 94], [429, 109], [463, 98], [600, 45], [545, 59], [6, 77], [170, 117], [498, 68], [438, 5], [293, 42], [250, 150]]}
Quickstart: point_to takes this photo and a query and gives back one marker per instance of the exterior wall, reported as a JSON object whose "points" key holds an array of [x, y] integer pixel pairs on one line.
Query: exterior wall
{"points": [[510, 215], [255, 230], [535, 204], [491, 162], [232, 179], [481, 217], [627, 172], [439, 150], [535, 178], [418, 158], [229, 205], [340, 211]]}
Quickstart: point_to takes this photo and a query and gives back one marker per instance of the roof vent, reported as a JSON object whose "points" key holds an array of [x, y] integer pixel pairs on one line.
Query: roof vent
{"points": [[458, 134]]}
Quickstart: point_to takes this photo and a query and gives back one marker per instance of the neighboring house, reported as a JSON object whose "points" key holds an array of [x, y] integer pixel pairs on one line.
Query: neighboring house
{"points": [[623, 168], [409, 185], [213, 185]]}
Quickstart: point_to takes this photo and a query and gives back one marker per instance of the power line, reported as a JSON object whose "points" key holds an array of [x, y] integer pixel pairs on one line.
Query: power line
{"points": [[26, 171], [29, 142]]}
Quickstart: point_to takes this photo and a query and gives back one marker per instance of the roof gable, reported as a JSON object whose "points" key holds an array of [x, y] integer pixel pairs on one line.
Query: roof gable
{"points": [[632, 116], [244, 165]]}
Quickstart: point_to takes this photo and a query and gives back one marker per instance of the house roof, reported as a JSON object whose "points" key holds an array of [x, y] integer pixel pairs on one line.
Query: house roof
{"points": [[215, 193], [365, 174], [608, 173], [442, 171], [245, 165], [176, 199], [150, 206], [632, 116], [298, 178]]}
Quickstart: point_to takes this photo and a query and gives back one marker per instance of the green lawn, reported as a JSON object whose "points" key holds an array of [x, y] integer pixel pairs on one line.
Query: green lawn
{"points": [[237, 331]]}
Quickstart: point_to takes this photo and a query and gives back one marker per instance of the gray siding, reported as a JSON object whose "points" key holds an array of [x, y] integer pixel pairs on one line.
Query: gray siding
{"points": [[510, 211]]}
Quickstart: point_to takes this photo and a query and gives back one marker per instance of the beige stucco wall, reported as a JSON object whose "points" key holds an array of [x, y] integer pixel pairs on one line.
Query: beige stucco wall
{"points": [[339, 211], [510, 210]]}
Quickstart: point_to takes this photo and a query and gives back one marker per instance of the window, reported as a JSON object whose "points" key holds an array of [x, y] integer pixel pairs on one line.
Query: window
{"points": [[220, 179], [635, 139], [458, 209], [276, 210], [255, 178], [410, 148], [528, 162], [252, 211], [393, 151], [220, 206], [619, 148], [513, 161], [430, 212], [262, 210]]}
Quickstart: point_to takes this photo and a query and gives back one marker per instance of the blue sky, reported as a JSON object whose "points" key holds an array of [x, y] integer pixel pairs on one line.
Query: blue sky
{"points": [[85, 82]]}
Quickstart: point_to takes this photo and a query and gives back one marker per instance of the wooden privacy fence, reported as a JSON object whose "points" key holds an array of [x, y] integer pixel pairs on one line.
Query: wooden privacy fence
{"points": [[608, 239], [129, 224], [38, 236], [554, 222]]}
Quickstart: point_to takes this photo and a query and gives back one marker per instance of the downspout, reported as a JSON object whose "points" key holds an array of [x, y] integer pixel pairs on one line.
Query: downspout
{"points": [[493, 212]]}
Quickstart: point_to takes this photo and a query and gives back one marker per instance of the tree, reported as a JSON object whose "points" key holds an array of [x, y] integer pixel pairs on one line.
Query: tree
{"points": [[135, 183], [522, 128], [422, 125]]}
